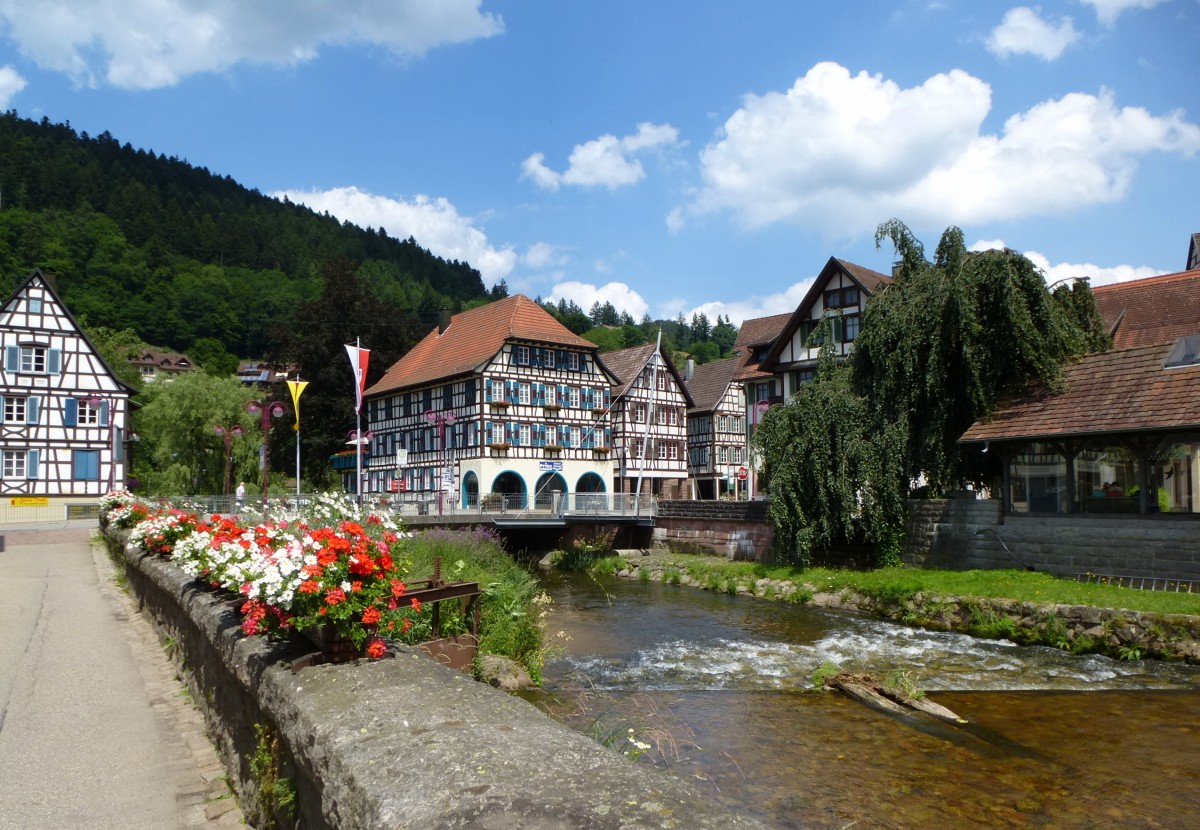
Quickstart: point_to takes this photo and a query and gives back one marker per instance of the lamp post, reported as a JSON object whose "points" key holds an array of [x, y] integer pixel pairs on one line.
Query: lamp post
{"points": [[96, 401], [267, 410], [228, 433], [361, 446], [441, 419]]}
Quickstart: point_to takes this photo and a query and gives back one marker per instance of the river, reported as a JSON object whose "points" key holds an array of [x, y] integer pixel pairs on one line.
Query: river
{"points": [[719, 687]]}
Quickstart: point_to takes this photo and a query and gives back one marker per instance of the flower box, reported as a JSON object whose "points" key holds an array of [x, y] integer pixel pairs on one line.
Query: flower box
{"points": [[551, 408], [601, 450], [334, 647], [552, 449], [498, 404], [498, 449]]}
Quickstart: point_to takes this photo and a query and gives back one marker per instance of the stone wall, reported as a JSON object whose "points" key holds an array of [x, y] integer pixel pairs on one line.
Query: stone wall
{"points": [[961, 534], [733, 529], [402, 742]]}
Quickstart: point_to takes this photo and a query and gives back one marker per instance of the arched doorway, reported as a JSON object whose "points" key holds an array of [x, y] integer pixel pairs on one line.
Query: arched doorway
{"points": [[512, 487], [470, 490], [589, 493], [543, 493]]}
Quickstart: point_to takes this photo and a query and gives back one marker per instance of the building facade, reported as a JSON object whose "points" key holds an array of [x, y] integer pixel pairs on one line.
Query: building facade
{"points": [[65, 411], [649, 418], [500, 406], [718, 450]]}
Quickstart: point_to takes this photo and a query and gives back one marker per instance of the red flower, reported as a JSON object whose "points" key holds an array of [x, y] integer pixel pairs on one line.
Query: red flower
{"points": [[334, 596], [309, 586], [370, 615], [416, 604], [376, 648]]}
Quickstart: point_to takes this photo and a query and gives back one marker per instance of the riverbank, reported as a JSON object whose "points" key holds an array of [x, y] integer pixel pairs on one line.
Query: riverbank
{"points": [[1096, 619]]}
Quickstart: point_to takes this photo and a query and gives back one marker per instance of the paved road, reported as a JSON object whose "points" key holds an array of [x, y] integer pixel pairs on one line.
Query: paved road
{"points": [[95, 728]]}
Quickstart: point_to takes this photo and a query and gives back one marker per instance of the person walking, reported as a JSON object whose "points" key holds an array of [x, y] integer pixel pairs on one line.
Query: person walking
{"points": [[241, 495]]}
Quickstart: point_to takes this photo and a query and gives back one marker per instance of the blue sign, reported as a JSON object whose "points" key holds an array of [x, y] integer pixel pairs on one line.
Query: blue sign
{"points": [[555, 466]]}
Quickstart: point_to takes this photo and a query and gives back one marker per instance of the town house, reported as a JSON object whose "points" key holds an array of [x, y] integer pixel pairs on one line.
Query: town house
{"points": [[716, 431]]}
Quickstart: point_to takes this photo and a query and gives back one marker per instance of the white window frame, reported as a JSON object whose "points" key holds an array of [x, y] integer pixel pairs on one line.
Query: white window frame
{"points": [[662, 381], [521, 355], [573, 361], [16, 464], [525, 435], [523, 393], [673, 451], [548, 358], [661, 415], [722, 455], [31, 357], [87, 415], [574, 396], [551, 390], [735, 455], [639, 412], [15, 410]]}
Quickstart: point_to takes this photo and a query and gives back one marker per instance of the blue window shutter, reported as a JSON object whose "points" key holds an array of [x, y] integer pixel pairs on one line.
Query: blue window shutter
{"points": [[487, 432], [487, 390], [31, 463], [32, 410], [70, 412], [103, 413], [54, 361], [12, 362]]}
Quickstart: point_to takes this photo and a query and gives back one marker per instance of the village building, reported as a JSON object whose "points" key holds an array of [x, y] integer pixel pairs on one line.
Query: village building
{"points": [[154, 365], [718, 453], [66, 413], [498, 407], [839, 294], [649, 423], [761, 389], [1123, 434]]}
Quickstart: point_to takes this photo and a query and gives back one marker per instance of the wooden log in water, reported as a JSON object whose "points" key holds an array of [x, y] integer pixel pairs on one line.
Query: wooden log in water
{"points": [[864, 689], [924, 704], [866, 694]]}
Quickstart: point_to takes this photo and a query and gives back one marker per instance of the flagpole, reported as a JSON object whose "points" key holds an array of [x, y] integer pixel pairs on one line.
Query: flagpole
{"points": [[358, 434]]}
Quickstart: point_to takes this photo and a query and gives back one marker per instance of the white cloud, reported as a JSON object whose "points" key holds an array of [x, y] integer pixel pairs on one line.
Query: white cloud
{"points": [[543, 255], [605, 161], [843, 153], [433, 223], [1107, 11], [767, 305], [1023, 31], [585, 295], [1096, 274], [147, 44], [10, 84]]}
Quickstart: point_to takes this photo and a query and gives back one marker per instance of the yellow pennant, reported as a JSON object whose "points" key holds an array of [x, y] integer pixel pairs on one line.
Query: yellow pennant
{"points": [[297, 389]]}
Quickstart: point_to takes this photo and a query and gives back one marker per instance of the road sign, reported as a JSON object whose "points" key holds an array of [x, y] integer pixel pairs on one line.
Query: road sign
{"points": [[402, 486], [401, 458], [743, 473]]}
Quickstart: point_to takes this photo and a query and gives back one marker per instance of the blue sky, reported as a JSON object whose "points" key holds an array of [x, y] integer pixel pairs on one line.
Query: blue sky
{"points": [[668, 157]]}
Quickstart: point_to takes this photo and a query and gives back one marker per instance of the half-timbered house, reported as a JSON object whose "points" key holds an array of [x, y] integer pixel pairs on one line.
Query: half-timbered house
{"points": [[649, 417], [499, 405], [716, 431], [760, 387], [65, 411], [839, 294]]}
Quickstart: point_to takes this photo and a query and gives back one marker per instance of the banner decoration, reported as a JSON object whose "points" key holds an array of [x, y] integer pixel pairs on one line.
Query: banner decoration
{"points": [[358, 362], [297, 389]]}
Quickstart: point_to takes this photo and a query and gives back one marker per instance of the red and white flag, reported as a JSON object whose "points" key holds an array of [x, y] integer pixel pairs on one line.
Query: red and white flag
{"points": [[358, 362]]}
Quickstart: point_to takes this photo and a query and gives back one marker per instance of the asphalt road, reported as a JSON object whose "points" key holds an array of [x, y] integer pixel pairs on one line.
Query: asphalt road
{"points": [[95, 729]]}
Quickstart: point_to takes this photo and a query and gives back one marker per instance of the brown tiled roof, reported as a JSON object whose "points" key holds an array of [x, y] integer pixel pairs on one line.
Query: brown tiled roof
{"points": [[627, 363], [709, 382], [754, 334], [1110, 393], [472, 338], [1150, 311]]}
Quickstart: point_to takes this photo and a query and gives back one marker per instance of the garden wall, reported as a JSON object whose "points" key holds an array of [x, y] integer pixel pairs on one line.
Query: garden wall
{"points": [[402, 742], [961, 534], [733, 529]]}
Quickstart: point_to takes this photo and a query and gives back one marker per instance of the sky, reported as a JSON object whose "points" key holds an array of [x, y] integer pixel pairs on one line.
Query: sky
{"points": [[668, 157]]}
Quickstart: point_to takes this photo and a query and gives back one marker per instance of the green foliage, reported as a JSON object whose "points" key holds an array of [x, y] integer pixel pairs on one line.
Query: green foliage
{"points": [[823, 673], [582, 555], [115, 348], [276, 795]]}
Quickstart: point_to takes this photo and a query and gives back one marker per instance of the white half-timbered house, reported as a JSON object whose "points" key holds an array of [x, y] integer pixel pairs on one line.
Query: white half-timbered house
{"points": [[840, 293], [760, 388], [65, 413], [498, 401], [649, 423], [718, 452]]}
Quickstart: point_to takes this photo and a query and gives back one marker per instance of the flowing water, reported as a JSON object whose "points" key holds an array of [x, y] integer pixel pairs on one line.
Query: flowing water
{"points": [[719, 687]]}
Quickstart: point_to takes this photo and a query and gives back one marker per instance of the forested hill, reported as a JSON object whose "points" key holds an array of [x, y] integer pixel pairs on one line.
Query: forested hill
{"points": [[188, 259]]}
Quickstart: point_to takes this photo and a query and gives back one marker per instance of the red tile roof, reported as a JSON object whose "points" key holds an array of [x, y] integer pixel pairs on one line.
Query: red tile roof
{"points": [[474, 337], [1110, 393], [1150, 311], [709, 382], [626, 364], [754, 336]]}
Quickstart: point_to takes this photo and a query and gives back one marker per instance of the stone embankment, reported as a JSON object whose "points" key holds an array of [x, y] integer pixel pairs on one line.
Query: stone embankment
{"points": [[401, 742], [1116, 632]]}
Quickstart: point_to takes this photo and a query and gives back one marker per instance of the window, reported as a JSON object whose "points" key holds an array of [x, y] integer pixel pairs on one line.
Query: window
{"points": [[662, 450], [735, 455], [673, 416], [35, 305], [523, 393], [722, 455], [548, 391], [524, 436], [548, 358], [722, 420], [842, 297], [662, 381], [802, 376], [85, 465], [574, 397], [662, 415], [88, 414], [639, 413], [673, 451], [14, 410], [573, 361], [14, 463], [521, 354]]}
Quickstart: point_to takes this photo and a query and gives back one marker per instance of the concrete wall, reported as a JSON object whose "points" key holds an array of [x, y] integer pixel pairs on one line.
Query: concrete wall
{"points": [[734, 529], [961, 534], [402, 742]]}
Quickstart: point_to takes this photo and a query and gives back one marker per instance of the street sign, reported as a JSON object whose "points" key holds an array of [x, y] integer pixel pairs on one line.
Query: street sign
{"points": [[402, 486], [401, 458], [553, 466], [743, 473]]}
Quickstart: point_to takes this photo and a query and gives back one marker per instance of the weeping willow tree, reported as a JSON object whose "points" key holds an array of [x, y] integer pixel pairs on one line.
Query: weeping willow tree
{"points": [[937, 350]]}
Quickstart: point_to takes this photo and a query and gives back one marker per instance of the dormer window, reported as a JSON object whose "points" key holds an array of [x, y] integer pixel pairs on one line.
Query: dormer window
{"points": [[521, 355], [1185, 352]]}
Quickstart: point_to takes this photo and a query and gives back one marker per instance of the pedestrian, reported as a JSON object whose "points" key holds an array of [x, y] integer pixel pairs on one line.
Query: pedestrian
{"points": [[241, 495]]}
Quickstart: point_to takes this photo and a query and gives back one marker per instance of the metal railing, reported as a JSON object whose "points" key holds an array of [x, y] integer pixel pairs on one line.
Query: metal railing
{"points": [[1142, 583]]}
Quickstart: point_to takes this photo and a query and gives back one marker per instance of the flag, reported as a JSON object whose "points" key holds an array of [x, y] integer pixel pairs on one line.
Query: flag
{"points": [[358, 362], [297, 389]]}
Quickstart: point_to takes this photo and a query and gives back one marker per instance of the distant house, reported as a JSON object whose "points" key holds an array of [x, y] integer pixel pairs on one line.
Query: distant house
{"points": [[1123, 435], [761, 388], [260, 373], [501, 399], [155, 365], [716, 430], [649, 420], [66, 413], [839, 294]]}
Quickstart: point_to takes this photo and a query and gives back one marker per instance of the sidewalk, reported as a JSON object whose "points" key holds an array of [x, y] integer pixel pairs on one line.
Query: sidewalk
{"points": [[95, 729]]}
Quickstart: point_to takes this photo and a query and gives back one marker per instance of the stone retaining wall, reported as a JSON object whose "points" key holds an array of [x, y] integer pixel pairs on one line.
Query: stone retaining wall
{"points": [[402, 742], [961, 534], [733, 529]]}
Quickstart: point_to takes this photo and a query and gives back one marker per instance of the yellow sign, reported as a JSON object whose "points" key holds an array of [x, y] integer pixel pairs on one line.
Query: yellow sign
{"points": [[30, 501]]}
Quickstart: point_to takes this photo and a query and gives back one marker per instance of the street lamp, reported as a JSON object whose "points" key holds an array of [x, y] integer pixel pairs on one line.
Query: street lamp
{"points": [[441, 419], [228, 433], [268, 410], [95, 402], [361, 447]]}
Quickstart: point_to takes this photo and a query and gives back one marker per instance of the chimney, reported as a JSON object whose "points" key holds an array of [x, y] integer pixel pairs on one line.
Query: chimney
{"points": [[443, 320], [897, 268], [689, 370]]}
